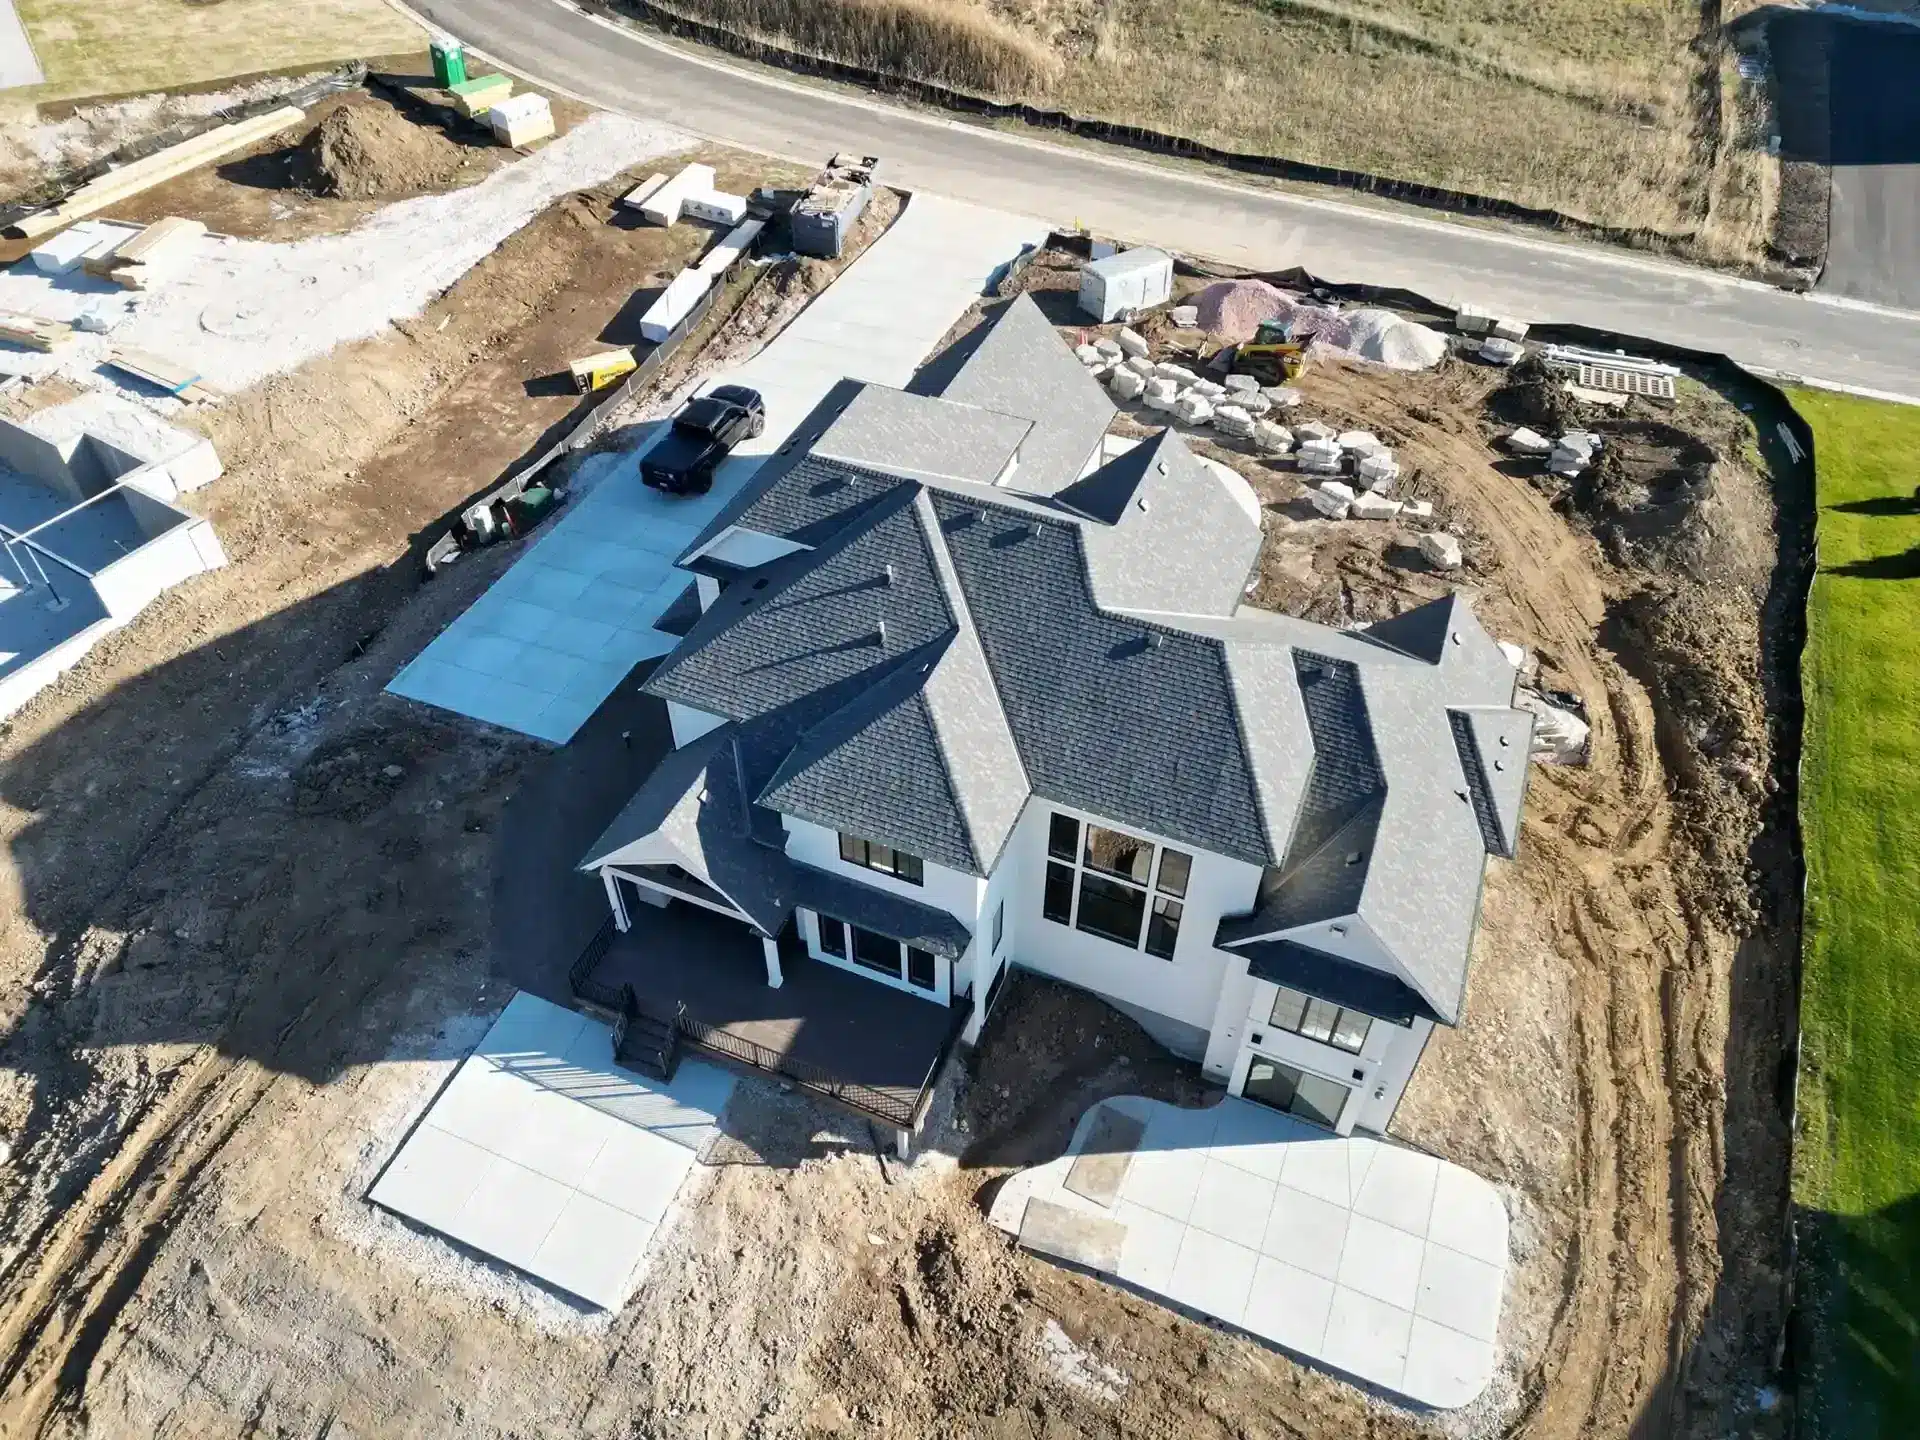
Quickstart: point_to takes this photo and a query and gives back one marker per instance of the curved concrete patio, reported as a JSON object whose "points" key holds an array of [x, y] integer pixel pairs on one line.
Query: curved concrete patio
{"points": [[1376, 1261]]}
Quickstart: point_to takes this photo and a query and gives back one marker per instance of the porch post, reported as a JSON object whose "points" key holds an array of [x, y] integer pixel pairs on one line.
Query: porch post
{"points": [[772, 948], [903, 1144], [615, 900]]}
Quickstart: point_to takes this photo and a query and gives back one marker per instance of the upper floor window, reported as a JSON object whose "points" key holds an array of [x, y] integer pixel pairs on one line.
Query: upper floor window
{"points": [[884, 858], [1115, 885], [1320, 1020]]}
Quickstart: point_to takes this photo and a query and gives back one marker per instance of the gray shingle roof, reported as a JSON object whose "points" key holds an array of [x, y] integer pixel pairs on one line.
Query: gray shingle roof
{"points": [[1013, 363], [1358, 987], [947, 647]]}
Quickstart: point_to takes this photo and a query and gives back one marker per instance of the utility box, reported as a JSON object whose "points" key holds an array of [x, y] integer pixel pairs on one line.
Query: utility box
{"points": [[1121, 286], [820, 220], [449, 61]]}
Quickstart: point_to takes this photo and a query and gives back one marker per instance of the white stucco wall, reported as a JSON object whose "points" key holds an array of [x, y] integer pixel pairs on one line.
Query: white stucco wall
{"points": [[1376, 1076], [690, 724], [949, 890], [1185, 988]]}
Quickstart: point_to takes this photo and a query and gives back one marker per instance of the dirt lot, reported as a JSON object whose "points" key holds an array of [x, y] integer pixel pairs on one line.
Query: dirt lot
{"points": [[238, 953]]}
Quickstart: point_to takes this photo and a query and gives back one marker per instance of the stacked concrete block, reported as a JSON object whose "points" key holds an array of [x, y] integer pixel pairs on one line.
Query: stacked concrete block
{"points": [[1368, 506], [1132, 342], [1232, 420], [1509, 329], [1318, 456], [1086, 354], [1193, 408], [1245, 384], [1140, 366], [1179, 374], [1110, 351], [1209, 389], [1282, 396], [1160, 393], [1252, 401], [1126, 384], [1332, 499], [1313, 430], [1358, 442], [1442, 551], [1471, 321], [1271, 438], [1377, 471], [1502, 352], [520, 120], [1529, 442], [1573, 453]]}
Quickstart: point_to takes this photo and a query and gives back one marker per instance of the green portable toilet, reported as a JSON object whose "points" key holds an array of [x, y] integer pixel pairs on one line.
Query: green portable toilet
{"points": [[449, 61]]}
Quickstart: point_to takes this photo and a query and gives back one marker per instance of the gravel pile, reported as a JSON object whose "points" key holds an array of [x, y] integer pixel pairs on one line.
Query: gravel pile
{"points": [[1232, 310]]}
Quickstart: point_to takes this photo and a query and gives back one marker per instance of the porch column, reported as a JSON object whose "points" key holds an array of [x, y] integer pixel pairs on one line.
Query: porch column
{"points": [[615, 899], [903, 1144], [772, 947]]}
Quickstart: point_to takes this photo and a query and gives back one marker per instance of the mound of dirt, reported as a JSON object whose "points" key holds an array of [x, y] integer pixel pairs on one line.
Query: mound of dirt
{"points": [[1536, 398], [371, 152]]}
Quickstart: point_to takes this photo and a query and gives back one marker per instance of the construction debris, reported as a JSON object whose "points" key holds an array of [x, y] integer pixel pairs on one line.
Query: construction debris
{"points": [[1232, 420], [1160, 393], [1472, 322], [1559, 736], [1509, 329], [1271, 438], [1611, 374], [1282, 397], [1179, 374], [1193, 408], [1132, 342], [176, 380], [832, 205], [1247, 384], [1140, 366], [1313, 430], [1441, 551], [1127, 384], [129, 264], [33, 332], [1358, 442], [636, 198], [1317, 456], [519, 120], [1416, 510], [1378, 471], [76, 244], [1502, 352], [1184, 317], [151, 170], [1529, 442]]}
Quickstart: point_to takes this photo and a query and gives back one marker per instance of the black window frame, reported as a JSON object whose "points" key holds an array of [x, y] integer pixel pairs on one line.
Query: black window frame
{"points": [[1332, 1028], [870, 961], [918, 959], [1109, 895], [902, 866], [999, 927], [832, 925], [1072, 869]]}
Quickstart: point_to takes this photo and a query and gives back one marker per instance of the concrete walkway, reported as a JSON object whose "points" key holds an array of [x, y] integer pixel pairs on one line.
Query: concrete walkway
{"points": [[540, 650], [18, 64], [1377, 1261]]}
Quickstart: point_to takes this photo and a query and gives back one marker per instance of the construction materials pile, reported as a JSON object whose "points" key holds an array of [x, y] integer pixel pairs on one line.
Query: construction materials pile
{"points": [[822, 218], [372, 152], [1232, 311], [1568, 457]]}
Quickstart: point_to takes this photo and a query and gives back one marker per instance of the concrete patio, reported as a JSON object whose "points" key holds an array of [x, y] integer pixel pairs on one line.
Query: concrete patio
{"points": [[544, 1154], [1380, 1262]]}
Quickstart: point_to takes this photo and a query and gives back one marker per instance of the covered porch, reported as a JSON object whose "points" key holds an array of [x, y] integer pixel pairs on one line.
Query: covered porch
{"points": [[704, 974]]}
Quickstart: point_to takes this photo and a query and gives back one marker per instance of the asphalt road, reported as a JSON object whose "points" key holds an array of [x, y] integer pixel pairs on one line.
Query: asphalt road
{"points": [[1537, 280], [1873, 233]]}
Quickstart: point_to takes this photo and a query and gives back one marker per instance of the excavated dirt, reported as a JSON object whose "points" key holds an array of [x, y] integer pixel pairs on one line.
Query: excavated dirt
{"points": [[371, 152], [245, 939]]}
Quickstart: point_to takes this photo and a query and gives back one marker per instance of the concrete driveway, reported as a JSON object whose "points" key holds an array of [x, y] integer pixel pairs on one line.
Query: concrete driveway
{"points": [[551, 639]]}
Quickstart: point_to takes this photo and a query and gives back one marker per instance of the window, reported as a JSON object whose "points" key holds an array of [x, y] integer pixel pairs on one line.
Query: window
{"points": [[833, 936], [876, 952], [999, 926], [884, 858], [1320, 1020], [879, 953], [1311, 1097], [1100, 885]]}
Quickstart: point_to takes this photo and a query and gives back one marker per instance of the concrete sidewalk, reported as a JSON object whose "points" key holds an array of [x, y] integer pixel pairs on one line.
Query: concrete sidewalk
{"points": [[18, 64], [540, 650], [1371, 1259]]}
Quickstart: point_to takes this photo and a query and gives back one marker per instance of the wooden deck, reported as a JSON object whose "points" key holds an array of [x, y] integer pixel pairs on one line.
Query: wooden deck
{"points": [[822, 1025]]}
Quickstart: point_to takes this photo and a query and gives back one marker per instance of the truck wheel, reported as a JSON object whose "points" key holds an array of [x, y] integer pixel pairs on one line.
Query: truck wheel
{"points": [[759, 427]]}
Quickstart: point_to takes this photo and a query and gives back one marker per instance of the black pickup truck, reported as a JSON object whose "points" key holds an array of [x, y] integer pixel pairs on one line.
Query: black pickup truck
{"points": [[700, 437]]}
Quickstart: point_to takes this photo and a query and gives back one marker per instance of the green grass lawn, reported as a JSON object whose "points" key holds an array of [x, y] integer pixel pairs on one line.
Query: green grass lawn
{"points": [[1857, 1158]]}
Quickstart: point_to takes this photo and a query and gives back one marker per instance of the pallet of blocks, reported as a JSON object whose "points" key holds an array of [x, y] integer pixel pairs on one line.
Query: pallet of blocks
{"points": [[33, 332], [520, 120], [473, 98]]}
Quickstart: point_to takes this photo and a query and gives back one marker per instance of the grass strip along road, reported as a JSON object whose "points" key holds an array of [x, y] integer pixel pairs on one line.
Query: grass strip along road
{"points": [[1857, 1156]]}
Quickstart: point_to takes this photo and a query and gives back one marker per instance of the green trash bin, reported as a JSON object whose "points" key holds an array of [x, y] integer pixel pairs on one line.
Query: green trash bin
{"points": [[449, 62]]}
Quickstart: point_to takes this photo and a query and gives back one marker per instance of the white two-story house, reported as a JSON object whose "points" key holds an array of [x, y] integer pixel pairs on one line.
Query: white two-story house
{"points": [[971, 688]]}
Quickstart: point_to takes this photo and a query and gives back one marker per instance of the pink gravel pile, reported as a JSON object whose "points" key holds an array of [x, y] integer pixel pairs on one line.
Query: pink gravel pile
{"points": [[1233, 309]]}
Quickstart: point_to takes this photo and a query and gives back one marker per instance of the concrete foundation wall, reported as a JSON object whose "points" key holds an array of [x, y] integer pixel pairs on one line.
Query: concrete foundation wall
{"points": [[37, 459], [134, 582]]}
